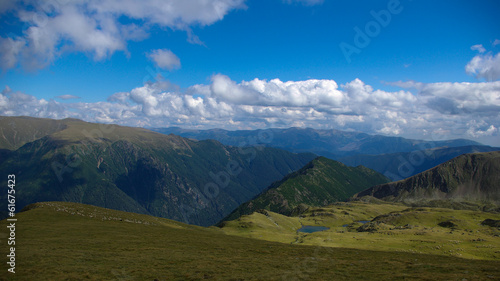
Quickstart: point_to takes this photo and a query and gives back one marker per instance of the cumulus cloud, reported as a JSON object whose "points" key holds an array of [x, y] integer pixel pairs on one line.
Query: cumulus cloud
{"points": [[479, 48], [14, 103], [435, 111], [484, 65], [480, 129], [9, 52], [165, 59], [274, 92], [95, 26]]}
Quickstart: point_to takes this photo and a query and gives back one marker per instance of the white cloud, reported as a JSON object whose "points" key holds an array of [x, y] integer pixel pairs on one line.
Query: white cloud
{"points": [[9, 52], [480, 129], [274, 92], [17, 103], [479, 48], [93, 26], [437, 111], [165, 59], [390, 129], [485, 66], [496, 42], [462, 98]]}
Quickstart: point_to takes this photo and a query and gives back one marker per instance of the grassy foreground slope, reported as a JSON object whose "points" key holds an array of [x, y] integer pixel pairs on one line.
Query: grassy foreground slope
{"points": [[70, 241]]}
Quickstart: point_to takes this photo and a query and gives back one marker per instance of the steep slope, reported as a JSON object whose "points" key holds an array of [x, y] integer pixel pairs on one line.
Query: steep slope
{"points": [[138, 170], [401, 165], [333, 144], [469, 177], [321, 182]]}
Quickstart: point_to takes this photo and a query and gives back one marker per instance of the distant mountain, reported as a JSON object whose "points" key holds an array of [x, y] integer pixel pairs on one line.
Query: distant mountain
{"points": [[401, 165], [134, 169], [333, 144], [469, 177], [321, 182]]}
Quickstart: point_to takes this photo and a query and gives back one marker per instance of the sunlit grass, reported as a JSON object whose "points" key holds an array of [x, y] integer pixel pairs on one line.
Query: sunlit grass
{"points": [[69, 241], [404, 229]]}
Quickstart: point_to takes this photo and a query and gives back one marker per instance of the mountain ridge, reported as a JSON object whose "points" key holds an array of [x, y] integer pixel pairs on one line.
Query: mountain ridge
{"points": [[401, 165], [320, 182], [135, 169], [469, 177], [331, 143]]}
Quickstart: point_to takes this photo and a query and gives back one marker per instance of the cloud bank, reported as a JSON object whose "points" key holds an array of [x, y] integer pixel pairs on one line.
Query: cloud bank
{"points": [[419, 110]]}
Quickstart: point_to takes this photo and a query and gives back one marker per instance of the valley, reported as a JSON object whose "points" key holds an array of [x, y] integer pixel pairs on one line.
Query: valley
{"points": [[380, 226]]}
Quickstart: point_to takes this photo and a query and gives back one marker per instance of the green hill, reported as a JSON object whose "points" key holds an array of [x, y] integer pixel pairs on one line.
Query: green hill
{"points": [[69, 241], [136, 170], [321, 182], [469, 178]]}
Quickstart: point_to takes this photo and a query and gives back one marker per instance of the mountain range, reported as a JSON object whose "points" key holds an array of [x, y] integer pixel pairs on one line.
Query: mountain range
{"points": [[203, 181], [395, 157], [333, 144], [134, 169], [268, 194]]}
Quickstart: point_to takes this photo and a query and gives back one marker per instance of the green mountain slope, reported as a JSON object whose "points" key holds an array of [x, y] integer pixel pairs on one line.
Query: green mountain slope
{"points": [[401, 165], [17, 131], [138, 170], [469, 177], [69, 241], [321, 182]]}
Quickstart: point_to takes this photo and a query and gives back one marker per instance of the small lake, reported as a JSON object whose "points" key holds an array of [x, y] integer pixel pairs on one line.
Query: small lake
{"points": [[311, 228]]}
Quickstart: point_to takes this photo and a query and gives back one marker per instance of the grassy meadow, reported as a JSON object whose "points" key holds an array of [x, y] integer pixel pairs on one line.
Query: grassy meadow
{"points": [[395, 227], [70, 241]]}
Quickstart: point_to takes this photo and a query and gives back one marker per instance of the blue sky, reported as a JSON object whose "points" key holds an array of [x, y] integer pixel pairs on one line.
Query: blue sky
{"points": [[250, 64]]}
